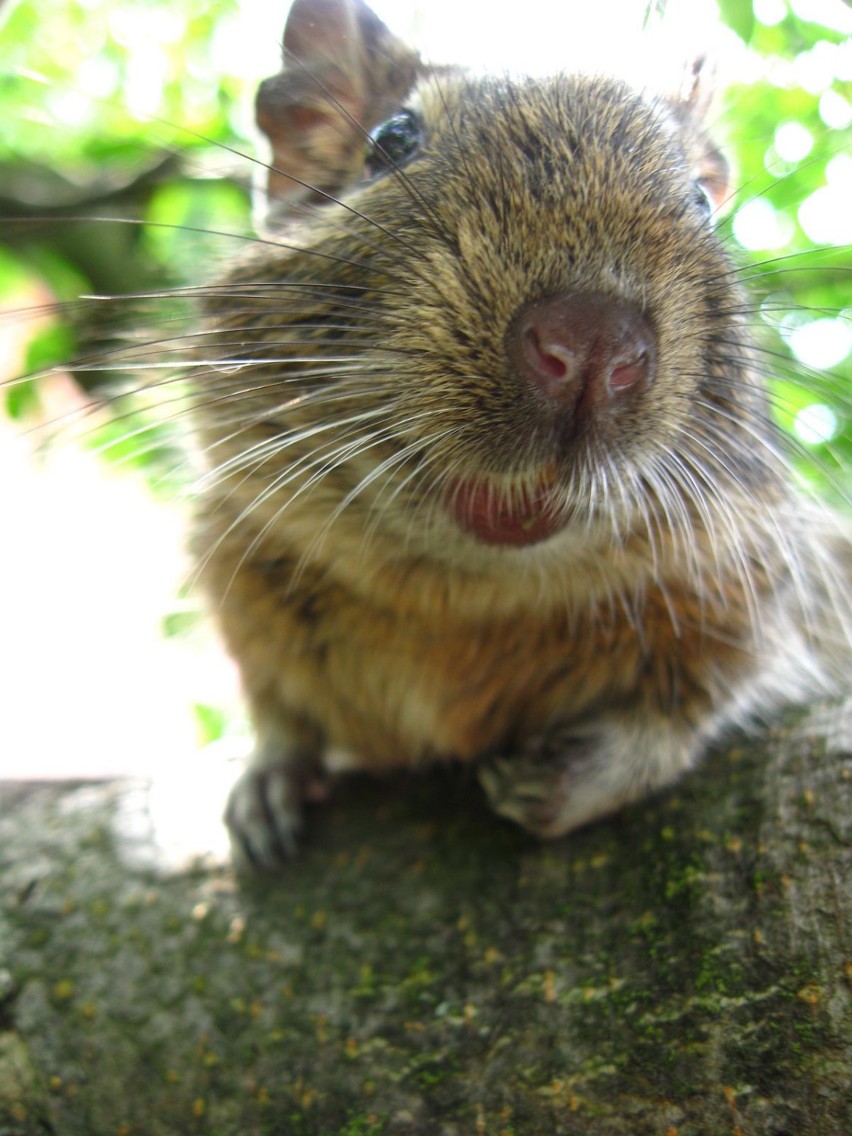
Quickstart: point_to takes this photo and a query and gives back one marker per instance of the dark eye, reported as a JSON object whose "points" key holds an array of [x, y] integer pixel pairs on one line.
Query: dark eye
{"points": [[702, 199], [394, 143]]}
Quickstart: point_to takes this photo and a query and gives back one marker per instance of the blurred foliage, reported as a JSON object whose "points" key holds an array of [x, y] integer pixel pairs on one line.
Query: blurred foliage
{"points": [[120, 171], [803, 275]]}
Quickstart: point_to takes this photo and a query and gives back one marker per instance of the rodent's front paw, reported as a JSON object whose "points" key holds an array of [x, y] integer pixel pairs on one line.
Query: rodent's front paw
{"points": [[264, 817], [577, 775], [531, 790]]}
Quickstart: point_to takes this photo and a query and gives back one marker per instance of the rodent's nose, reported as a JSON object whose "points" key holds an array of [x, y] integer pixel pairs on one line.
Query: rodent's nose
{"points": [[585, 353]]}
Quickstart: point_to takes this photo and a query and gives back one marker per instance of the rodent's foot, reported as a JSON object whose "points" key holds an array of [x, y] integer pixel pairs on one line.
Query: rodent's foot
{"points": [[578, 775], [264, 816], [530, 790]]}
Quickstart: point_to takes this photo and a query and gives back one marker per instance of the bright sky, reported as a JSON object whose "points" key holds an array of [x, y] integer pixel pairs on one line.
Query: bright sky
{"points": [[535, 34], [530, 35]]}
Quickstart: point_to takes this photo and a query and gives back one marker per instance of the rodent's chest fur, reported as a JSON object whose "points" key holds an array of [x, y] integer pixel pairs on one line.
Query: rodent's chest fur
{"points": [[392, 683]]}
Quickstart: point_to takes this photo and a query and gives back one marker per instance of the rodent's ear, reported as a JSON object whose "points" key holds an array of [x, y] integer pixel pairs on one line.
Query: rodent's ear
{"points": [[691, 107], [697, 88], [343, 73]]}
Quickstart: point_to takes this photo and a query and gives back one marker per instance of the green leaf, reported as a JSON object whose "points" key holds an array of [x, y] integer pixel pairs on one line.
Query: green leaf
{"points": [[210, 722], [21, 399], [49, 347], [739, 16]]}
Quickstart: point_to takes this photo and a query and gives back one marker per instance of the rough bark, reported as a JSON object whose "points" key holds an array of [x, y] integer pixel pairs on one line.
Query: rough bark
{"points": [[422, 968]]}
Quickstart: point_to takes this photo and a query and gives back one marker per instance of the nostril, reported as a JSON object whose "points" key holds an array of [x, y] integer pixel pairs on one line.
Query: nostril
{"points": [[622, 376], [553, 360]]}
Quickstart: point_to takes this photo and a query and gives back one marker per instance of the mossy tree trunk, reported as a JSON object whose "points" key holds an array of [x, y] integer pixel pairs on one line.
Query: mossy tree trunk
{"points": [[422, 968]]}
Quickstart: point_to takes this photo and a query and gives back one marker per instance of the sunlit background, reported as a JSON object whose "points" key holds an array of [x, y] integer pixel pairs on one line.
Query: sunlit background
{"points": [[105, 667]]}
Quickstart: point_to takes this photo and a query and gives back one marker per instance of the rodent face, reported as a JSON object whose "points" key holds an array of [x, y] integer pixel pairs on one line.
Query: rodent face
{"points": [[392, 396]]}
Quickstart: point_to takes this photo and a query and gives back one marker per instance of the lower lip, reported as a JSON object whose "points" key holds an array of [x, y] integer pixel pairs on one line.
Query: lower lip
{"points": [[525, 517]]}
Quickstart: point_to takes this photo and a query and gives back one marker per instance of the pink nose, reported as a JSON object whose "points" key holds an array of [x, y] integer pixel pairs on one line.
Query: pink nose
{"points": [[586, 353]]}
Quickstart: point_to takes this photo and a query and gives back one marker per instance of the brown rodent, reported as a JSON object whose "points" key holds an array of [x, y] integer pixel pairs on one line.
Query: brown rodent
{"points": [[491, 475]]}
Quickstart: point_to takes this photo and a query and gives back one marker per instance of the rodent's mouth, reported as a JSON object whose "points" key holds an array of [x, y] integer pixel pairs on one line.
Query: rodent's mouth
{"points": [[516, 516]]}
